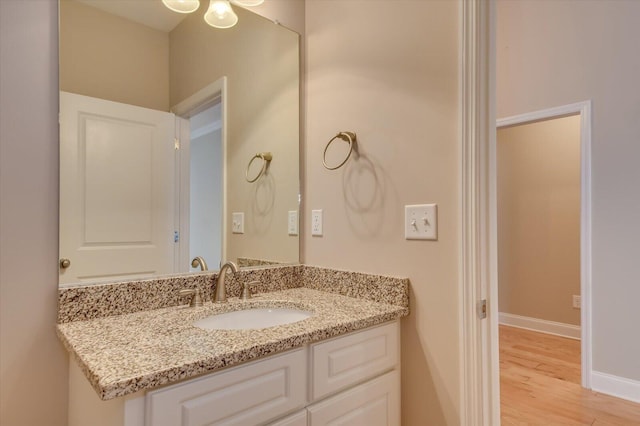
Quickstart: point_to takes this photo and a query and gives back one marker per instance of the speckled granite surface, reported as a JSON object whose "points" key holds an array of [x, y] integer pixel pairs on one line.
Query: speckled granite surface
{"points": [[377, 288], [142, 350], [250, 262], [103, 300]]}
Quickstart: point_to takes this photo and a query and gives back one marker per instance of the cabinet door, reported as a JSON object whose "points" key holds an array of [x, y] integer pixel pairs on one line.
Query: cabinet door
{"points": [[297, 419], [247, 395], [374, 403], [346, 361]]}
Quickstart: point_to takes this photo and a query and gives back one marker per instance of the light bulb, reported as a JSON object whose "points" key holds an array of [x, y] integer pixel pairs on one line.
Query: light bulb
{"points": [[248, 3], [182, 6], [220, 14]]}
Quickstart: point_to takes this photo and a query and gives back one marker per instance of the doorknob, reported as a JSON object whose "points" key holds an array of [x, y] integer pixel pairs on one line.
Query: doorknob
{"points": [[65, 263]]}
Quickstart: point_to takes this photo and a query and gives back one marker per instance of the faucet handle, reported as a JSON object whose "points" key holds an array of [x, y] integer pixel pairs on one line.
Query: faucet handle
{"points": [[246, 290], [196, 300]]}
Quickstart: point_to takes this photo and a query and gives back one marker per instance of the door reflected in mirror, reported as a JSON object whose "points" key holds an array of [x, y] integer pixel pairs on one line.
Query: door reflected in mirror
{"points": [[160, 116]]}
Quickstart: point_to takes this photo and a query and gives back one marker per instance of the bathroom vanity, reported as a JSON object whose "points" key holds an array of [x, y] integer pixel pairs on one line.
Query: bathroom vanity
{"points": [[156, 367], [354, 377]]}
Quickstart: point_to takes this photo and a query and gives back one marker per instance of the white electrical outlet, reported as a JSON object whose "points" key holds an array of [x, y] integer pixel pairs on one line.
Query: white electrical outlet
{"points": [[292, 224], [237, 223], [577, 301], [316, 222], [421, 222]]}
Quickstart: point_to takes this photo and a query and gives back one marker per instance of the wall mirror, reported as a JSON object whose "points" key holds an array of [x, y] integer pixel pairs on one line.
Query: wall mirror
{"points": [[164, 121]]}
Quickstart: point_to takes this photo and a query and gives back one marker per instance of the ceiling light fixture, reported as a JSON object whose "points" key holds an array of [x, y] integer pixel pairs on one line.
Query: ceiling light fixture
{"points": [[182, 6], [220, 14]]}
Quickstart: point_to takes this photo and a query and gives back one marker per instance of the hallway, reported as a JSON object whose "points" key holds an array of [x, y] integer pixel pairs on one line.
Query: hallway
{"points": [[540, 384]]}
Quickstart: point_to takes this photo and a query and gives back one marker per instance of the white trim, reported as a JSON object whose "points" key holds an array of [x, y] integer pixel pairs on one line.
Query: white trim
{"points": [[492, 361], [184, 192], [198, 102], [584, 110], [206, 129], [542, 326], [201, 100], [545, 114], [586, 319], [479, 381], [616, 386]]}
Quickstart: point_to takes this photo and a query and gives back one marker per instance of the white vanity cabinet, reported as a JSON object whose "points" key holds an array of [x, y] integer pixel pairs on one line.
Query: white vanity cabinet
{"points": [[249, 395], [347, 380], [373, 403], [346, 360], [297, 419], [370, 357]]}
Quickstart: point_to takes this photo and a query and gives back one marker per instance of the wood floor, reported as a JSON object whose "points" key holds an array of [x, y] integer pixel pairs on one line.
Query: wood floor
{"points": [[540, 384]]}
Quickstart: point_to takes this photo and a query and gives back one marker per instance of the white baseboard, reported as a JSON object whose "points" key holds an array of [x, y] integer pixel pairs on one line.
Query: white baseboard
{"points": [[542, 326], [615, 386]]}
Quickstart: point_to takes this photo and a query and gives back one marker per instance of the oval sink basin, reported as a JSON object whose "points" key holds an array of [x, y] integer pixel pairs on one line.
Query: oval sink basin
{"points": [[251, 319]]}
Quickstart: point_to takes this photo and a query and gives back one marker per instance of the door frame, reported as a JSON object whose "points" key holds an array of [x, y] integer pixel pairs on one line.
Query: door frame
{"points": [[478, 340], [478, 348], [198, 102], [583, 109]]}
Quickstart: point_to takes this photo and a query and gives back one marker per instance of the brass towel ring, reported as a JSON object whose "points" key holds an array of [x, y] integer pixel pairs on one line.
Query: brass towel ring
{"points": [[345, 136], [266, 159]]}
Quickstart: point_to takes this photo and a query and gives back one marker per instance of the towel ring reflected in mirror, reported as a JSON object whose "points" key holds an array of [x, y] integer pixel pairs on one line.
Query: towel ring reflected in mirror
{"points": [[266, 158], [349, 137]]}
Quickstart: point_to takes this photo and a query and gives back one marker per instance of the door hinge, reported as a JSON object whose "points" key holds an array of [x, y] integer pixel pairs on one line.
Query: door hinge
{"points": [[176, 144], [176, 236], [481, 308]]}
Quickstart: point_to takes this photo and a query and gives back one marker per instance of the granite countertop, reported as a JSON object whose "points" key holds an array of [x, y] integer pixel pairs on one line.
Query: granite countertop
{"points": [[126, 353]]}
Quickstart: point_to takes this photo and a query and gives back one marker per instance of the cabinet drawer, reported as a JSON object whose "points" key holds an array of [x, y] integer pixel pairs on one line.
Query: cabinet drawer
{"points": [[297, 419], [249, 394], [344, 361], [374, 403]]}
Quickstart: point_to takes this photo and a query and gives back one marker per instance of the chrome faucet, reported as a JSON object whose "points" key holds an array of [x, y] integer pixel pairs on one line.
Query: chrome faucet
{"points": [[199, 261], [221, 291]]}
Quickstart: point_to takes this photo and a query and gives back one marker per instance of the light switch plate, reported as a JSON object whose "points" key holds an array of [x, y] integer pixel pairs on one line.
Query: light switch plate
{"points": [[421, 222], [292, 224], [237, 223], [316, 223]]}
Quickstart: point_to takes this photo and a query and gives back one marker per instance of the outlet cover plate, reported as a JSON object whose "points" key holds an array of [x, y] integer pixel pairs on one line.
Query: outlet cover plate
{"points": [[237, 223], [316, 223], [292, 224], [577, 302], [421, 222]]}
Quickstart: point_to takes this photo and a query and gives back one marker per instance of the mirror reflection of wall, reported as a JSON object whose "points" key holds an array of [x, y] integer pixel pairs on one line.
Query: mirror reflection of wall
{"points": [[159, 64], [205, 185]]}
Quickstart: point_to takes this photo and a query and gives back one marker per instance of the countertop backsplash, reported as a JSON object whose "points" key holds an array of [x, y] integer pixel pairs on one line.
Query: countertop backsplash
{"points": [[87, 302]]}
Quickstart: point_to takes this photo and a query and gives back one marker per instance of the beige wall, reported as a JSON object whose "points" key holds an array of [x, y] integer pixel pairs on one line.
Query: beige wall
{"points": [[539, 219], [261, 62], [397, 89], [556, 53], [108, 57], [396, 86], [33, 364], [288, 13]]}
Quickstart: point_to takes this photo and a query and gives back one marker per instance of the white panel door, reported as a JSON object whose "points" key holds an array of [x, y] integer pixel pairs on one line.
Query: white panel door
{"points": [[116, 190]]}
